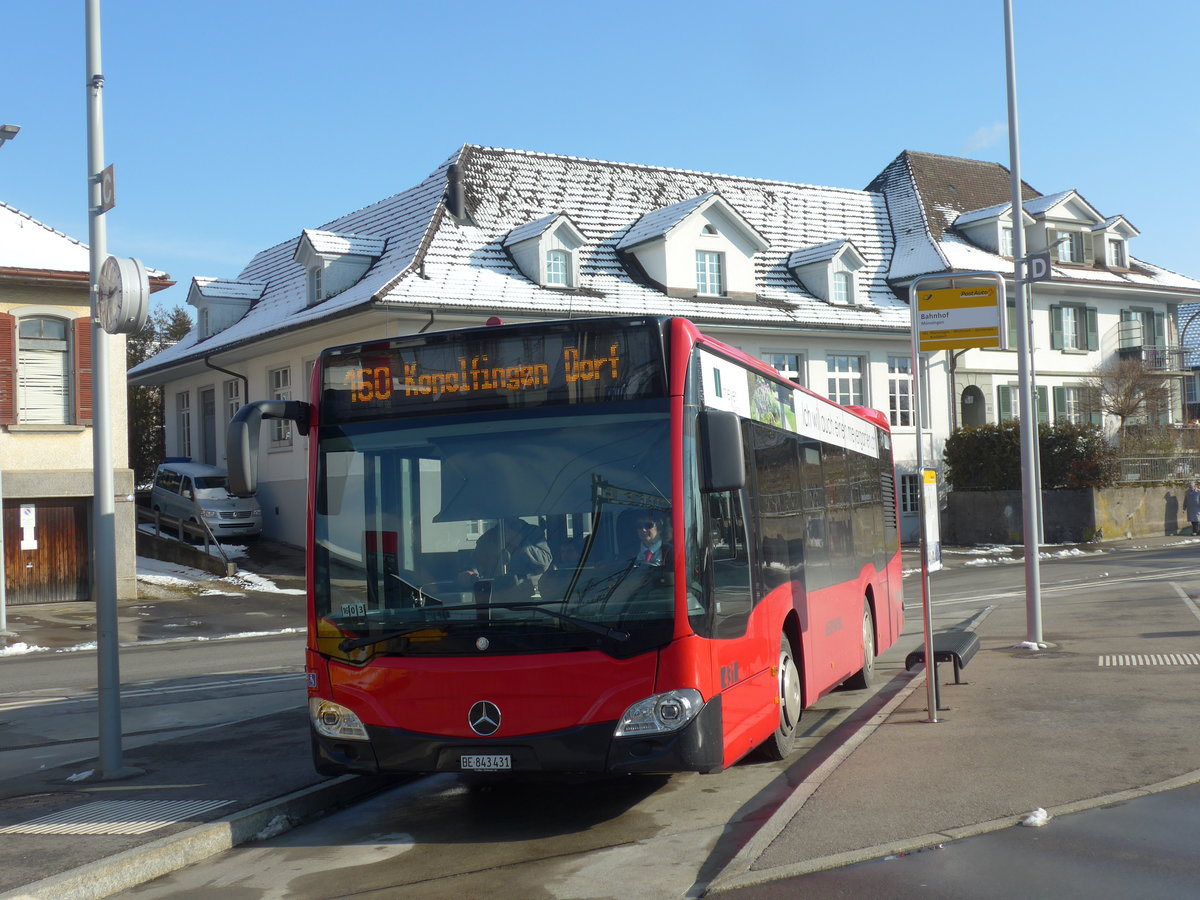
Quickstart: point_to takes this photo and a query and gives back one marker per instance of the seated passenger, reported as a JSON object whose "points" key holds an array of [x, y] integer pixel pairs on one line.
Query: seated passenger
{"points": [[513, 555]]}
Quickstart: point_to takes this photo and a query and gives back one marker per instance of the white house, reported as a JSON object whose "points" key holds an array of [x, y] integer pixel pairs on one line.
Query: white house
{"points": [[811, 279]]}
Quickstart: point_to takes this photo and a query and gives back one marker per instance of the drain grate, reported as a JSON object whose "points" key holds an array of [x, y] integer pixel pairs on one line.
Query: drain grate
{"points": [[1151, 659], [116, 817]]}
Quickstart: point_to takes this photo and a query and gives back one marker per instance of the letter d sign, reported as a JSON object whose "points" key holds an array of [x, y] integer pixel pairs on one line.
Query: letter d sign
{"points": [[1037, 268]]}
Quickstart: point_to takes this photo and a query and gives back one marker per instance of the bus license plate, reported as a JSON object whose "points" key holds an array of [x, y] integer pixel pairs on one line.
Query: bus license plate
{"points": [[482, 763]]}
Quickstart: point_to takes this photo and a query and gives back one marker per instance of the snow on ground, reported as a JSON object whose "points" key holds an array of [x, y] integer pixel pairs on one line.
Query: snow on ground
{"points": [[156, 571]]}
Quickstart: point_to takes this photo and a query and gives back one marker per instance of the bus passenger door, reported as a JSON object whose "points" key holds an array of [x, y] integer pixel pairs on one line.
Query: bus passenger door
{"points": [[743, 666]]}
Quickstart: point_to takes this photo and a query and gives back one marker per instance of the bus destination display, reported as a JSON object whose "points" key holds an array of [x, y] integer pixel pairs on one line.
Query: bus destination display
{"points": [[492, 371]]}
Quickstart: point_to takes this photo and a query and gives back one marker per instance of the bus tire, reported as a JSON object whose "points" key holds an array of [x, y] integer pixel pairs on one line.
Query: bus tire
{"points": [[791, 702], [865, 676]]}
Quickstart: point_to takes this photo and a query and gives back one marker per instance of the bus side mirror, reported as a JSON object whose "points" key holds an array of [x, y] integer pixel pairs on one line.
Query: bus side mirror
{"points": [[241, 440], [724, 467]]}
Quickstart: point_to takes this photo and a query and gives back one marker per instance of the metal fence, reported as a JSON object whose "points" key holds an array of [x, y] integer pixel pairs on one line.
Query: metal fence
{"points": [[1159, 468]]}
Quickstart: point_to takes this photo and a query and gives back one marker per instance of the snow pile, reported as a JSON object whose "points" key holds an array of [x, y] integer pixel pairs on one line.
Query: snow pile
{"points": [[1037, 818]]}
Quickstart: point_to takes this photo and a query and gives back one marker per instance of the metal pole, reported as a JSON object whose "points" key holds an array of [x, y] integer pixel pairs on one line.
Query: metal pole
{"points": [[6, 135], [104, 542], [1029, 476], [931, 694]]}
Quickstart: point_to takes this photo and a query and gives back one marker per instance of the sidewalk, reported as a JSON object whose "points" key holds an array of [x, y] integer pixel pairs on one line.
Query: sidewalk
{"points": [[1048, 729]]}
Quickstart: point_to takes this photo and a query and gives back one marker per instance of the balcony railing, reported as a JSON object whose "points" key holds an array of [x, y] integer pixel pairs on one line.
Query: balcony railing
{"points": [[1152, 469], [1162, 357]]}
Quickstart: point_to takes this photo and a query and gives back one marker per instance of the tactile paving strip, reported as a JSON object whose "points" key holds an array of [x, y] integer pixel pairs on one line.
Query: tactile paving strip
{"points": [[1151, 659], [116, 817]]}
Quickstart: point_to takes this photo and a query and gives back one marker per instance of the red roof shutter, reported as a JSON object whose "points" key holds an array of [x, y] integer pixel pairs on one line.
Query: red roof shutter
{"points": [[8, 369], [83, 370]]}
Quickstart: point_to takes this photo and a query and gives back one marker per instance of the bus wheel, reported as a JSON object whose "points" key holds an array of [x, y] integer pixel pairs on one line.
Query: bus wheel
{"points": [[780, 744], [864, 677]]}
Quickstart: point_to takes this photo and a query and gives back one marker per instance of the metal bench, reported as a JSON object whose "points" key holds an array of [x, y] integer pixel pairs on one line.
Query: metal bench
{"points": [[957, 647]]}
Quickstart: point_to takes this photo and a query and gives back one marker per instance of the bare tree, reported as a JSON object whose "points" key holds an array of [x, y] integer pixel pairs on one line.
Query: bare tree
{"points": [[1128, 389]]}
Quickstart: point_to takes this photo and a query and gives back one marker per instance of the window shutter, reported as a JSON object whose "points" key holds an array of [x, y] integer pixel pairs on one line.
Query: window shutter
{"points": [[1160, 329], [1043, 404], [1093, 331], [1095, 413], [1052, 237], [8, 369], [1056, 328], [1060, 403], [82, 347], [1004, 403], [1089, 249]]}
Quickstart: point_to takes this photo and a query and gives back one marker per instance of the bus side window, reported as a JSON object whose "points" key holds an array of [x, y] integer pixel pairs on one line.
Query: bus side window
{"points": [[730, 573]]}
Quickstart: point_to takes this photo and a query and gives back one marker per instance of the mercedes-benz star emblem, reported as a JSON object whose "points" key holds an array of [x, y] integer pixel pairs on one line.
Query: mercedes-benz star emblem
{"points": [[484, 718]]}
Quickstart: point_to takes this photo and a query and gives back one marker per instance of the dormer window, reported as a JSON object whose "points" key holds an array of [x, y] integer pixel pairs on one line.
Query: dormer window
{"points": [[1069, 247], [547, 251], [709, 278], [1116, 257], [829, 271], [220, 303], [702, 247], [335, 261], [843, 287], [558, 267], [1006, 241]]}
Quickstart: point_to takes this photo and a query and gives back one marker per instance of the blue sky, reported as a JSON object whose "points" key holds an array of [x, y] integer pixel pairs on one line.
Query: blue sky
{"points": [[233, 124]]}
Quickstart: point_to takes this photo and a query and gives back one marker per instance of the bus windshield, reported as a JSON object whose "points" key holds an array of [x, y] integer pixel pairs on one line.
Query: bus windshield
{"points": [[526, 533]]}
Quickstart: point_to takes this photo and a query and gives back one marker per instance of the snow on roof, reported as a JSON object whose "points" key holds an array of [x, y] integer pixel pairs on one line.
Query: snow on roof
{"points": [[233, 290], [820, 253], [466, 267], [533, 229], [658, 222], [26, 243], [343, 244]]}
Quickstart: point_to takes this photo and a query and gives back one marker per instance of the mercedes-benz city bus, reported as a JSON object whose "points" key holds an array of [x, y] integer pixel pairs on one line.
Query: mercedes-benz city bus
{"points": [[482, 595]]}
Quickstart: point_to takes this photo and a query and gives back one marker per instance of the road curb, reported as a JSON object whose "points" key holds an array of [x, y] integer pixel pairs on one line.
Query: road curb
{"points": [[125, 870]]}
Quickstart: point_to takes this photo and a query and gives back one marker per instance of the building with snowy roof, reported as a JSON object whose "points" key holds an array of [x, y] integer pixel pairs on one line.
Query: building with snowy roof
{"points": [[811, 279], [46, 417]]}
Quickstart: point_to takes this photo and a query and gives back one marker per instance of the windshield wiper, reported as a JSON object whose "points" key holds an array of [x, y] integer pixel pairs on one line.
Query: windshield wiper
{"points": [[354, 643], [562, 617]]}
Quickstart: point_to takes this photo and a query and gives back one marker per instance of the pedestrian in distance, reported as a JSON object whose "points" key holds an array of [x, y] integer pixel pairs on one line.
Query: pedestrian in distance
{"points": [[1191, 506]]}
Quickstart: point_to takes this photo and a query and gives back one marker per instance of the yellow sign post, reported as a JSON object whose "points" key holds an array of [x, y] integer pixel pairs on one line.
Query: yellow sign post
{"points": [[958, 319]]}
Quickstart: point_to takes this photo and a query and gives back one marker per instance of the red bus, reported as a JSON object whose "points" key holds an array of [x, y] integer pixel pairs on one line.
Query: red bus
{"points": [[591, 545]]}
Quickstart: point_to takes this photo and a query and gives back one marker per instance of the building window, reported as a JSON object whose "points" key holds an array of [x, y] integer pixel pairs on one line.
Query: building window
{"points": [[1116, 254], [845, 380], [43, 372], [183, 423], [789, 365], [843, 287], [1008, 403], [1073, 327], [558, 267], [1068, 246], [900, 390], [1006, 242], [203, 323], [910, 494], [280, 381], [708, 273], [233, 399]]}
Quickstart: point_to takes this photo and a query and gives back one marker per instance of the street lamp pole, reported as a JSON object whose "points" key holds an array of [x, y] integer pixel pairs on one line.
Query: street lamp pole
{"points": [[1029, 434], [7, 133], [104, 536]]}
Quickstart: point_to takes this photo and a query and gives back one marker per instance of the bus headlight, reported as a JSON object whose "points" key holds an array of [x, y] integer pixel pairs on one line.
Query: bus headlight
{"points": [[660, 714], [335, 721]]}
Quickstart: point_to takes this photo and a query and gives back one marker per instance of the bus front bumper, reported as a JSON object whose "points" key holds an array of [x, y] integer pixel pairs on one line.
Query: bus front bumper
{"points": [[697, 747]]}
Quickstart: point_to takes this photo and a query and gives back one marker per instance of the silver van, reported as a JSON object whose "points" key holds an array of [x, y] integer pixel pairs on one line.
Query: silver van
{"points": [[194, 491]]}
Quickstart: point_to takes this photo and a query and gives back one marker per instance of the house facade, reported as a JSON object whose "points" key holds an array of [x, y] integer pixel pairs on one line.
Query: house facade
{"points": [[46, 416], [811, 279]]}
